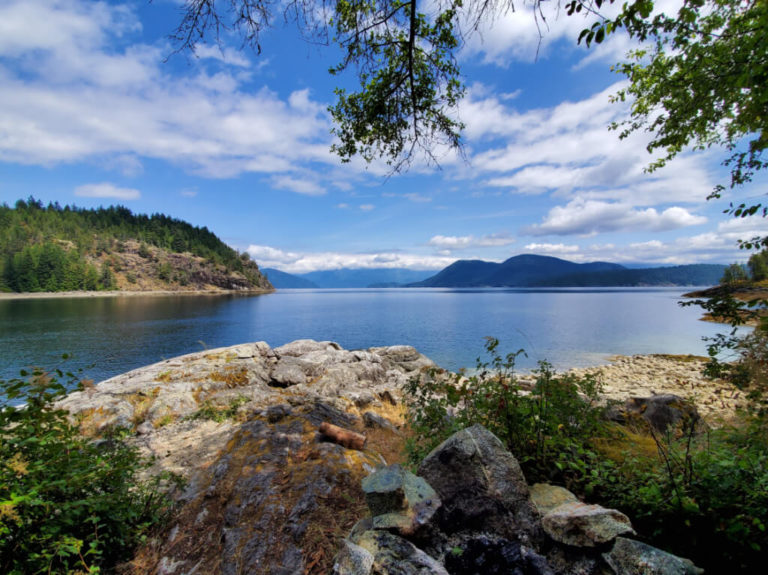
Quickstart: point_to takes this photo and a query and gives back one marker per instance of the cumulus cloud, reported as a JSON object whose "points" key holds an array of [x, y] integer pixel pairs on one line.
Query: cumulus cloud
{"points": [[302, 262], [300, 186], [550, 249], [70, 93], [106, 190], [589, 217], [466, 242]]}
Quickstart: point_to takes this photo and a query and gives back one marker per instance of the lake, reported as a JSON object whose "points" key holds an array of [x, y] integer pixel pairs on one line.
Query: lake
{"points": [[568, 327]]}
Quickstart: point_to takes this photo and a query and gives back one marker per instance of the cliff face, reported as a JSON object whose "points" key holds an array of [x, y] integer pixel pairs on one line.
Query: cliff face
{"points": [[266, 492], [148, 268]]}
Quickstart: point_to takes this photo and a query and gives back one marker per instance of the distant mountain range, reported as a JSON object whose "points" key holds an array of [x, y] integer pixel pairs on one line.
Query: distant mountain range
{"points": [[530, 270], [526, 270], [346, 278]]}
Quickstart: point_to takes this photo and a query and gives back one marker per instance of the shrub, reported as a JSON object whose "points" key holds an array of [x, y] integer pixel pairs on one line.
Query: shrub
{"points": [[67, 503], [549, 427], [700, 495]]}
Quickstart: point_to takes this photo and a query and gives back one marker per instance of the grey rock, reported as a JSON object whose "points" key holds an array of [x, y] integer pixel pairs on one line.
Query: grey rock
{"points": [[291, 370], [352, 560], [629, 557], [393, 555], [660, 411], [583, 525], [546, 497], [376, 421], [304, 346], [481, 486], [399, 500]]}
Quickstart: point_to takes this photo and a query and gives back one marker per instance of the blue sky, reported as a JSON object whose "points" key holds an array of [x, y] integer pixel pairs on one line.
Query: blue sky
{"points": [[95, 110]]}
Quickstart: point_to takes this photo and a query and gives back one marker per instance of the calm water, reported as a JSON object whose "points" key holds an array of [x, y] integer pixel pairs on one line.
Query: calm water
{"points": [[569, 327]]}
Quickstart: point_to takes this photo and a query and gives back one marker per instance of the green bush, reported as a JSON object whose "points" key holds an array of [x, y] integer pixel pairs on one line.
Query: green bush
{"points": [[67, 503], [549, 427], [702, 495]]}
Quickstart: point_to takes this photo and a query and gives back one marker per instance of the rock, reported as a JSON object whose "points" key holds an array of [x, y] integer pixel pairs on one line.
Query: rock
{"points": [[352, 560], [481, 486], [291, 370], [662, 412], [489, 555], [304, 346], [629, 557], [375, 421], [399, 500], [546, 497], [393, 555], [583, 525], [260, 482]]}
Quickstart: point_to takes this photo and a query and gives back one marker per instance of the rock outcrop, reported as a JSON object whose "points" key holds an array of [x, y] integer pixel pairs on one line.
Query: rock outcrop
{"points": [[265, 491], [488, 521]]}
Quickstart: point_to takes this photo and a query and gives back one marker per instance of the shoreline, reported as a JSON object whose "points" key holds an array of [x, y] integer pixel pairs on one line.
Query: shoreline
{"points": [[126, 293]]}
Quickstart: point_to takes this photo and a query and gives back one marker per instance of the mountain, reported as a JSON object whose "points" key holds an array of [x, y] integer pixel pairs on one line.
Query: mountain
{"points": [[53, 248], [282, 280], [361, 278], [529, 270]]}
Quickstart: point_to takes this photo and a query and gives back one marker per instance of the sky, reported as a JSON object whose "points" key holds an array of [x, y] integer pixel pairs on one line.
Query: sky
{"points": [[97, 108]]}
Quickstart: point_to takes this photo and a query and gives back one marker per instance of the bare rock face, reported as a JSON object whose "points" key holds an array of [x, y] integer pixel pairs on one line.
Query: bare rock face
{"points": [[481, 483], [265, 491]]}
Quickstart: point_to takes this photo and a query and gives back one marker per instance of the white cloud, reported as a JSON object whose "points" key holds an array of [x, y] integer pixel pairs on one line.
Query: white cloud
{"points": [[106, 190], [367, 207], [559, 249], [590, 217], [300, 186], [223, 54], [302, 262], [466, 242], [526, 33], [70, 95]]}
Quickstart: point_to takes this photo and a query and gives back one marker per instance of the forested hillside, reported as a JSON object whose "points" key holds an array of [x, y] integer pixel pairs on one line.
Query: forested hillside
{"points": [[54, 248]]}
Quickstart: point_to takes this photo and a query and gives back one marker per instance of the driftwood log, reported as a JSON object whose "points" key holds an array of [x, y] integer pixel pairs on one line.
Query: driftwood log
{"points": [[344, 437]]}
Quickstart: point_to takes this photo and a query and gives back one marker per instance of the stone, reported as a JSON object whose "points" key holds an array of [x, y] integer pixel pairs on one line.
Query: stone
{"points": [[485, 554], [376, 421], [304, 346], [481, 486], [393, 555], [399, 500], [629, 557], [583, 525], [352, 560], [661, 412], [290, 371], [546, 497]]}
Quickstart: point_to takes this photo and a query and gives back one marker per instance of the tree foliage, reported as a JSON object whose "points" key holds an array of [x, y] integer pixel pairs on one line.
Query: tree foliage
{"points": [[54, 248], [699, 80], [68, 504], [403, 53]]}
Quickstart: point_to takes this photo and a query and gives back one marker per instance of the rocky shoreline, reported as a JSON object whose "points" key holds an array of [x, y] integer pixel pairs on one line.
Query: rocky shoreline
{"points": [[129, 293], [266, 491]]}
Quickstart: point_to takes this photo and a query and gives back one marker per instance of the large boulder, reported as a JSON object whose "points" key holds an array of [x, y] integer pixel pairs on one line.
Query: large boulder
{"points": [[481, 486]]}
